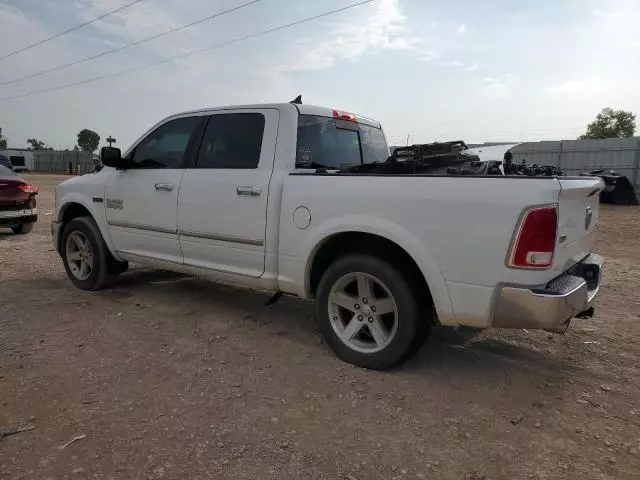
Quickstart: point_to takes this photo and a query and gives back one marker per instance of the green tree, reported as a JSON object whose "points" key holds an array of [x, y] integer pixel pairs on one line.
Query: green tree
{"points": [[88, 140], [37, 144], [3, 141], [610, 123]]}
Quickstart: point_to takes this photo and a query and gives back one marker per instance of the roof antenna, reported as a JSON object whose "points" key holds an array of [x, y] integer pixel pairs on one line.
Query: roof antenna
{"points": [[297, 100]]}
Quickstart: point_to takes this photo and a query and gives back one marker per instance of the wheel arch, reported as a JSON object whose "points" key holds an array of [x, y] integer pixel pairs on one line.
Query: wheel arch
{"points": [[77, 206], [398, 246]]}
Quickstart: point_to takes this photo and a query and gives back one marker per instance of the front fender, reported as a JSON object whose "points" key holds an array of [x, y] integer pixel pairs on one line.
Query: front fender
{"points": [[96, 210], [393, 232]]}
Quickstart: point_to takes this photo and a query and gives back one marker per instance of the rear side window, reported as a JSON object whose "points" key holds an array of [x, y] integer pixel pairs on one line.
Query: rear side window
{"points": [[166, 146], [232, 140], [337, 144]]}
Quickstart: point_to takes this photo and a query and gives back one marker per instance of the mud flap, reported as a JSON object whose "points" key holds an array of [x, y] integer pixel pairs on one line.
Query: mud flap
{"points": [[588, 313]]}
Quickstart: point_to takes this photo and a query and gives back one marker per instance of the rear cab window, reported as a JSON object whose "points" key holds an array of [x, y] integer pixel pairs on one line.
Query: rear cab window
{"points": [[333, 143]]}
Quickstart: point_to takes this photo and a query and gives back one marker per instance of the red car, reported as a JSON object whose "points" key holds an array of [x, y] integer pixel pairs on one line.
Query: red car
{"points": [[17, 202]]}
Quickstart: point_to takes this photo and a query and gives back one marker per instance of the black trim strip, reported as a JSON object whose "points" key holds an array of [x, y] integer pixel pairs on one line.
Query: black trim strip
{"points": [[136, 226], [422, 175], [222, 238]]}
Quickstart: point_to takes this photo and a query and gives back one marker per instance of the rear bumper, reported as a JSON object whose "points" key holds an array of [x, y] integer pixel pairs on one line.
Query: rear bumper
{"points": [[550, 307], [17, 217]]}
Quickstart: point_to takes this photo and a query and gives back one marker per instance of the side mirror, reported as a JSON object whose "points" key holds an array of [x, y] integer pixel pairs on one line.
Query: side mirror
{"points": [[112, 157]]}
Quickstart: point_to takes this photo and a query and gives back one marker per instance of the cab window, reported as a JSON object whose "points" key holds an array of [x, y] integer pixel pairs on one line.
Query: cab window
{"points": [[166, 146], [232, 140]]}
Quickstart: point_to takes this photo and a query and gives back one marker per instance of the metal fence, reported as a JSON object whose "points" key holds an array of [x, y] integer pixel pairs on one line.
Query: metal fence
{"points": [[72, 162], [577, 156]]}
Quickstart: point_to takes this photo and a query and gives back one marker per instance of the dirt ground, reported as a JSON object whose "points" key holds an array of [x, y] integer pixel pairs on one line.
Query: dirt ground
{"points": [[165, 376]]}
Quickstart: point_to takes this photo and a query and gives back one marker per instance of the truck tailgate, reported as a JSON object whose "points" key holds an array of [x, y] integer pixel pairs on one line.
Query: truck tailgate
{"points": [[577, 217]]}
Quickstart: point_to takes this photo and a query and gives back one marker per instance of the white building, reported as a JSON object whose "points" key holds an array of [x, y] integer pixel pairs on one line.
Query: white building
{"points": [[21, 158]]}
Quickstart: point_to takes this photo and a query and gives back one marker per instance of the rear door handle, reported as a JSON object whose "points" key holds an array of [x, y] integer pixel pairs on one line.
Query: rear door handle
{"points": [[251, 191], [167, 187]]}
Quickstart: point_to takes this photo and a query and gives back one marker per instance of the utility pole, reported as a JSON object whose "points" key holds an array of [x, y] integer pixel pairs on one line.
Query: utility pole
{"points": [[111, 140]]}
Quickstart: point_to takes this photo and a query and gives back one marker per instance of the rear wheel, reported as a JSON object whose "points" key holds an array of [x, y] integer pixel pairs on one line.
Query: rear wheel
{"points": [[368, 312], [22, 229], [85, 254]]}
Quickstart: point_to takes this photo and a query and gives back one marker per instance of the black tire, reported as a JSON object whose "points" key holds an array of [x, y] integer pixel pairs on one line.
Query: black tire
{"points": [[22, 229], [99, 276], [413, 318]]}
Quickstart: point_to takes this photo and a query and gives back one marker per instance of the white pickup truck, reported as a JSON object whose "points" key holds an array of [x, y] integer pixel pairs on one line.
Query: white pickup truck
{"points": [[265, 197]]}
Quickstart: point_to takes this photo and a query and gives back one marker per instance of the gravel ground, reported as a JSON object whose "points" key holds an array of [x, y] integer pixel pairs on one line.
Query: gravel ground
{"points": [[165, 376]]}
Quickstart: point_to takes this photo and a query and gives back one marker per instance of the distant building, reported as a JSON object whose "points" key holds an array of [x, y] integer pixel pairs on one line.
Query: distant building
{"points": [[21, 158]]}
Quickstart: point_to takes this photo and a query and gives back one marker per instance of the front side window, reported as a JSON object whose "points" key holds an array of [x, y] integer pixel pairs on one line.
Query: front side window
{"points": [[232, 140], [166, 146]]}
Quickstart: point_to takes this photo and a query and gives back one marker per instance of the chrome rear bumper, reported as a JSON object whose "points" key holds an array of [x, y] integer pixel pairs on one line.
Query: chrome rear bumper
{"points": [[11, 218], [25, 212], [550, 307]]}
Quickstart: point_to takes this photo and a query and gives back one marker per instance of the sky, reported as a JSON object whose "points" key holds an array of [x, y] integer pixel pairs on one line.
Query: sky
{"points": [[491, 70]]}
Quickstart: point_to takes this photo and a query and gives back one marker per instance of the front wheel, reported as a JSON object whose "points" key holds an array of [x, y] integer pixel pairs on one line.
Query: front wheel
{"points": [[368, 312], [22, 229], [85, 254]]}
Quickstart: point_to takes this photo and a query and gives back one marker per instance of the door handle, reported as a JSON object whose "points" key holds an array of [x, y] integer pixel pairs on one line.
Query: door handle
{"points": [[251, 191], [167, 187]]}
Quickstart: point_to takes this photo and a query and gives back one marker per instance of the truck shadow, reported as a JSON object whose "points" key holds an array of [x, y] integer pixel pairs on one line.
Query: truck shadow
{"points": [[465, 349], [183, 300], [482, 351]]}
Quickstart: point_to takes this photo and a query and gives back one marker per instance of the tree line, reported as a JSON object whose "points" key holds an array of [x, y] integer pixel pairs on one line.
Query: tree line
{"points": [[87, 141]]}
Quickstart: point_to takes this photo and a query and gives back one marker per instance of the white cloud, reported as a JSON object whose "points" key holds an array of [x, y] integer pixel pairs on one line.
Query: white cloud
{"points": [[458, 64], [384, 29], [495, 87], [462, 28], [17, 30], [452, 63], [428, 55], [138, 19], [576, 87], [601, 13], [570, 86]]}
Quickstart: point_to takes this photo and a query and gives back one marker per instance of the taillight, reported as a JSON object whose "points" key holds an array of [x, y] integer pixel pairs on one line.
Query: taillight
{"points": [[28, 188], [535, 240], [349, 117]]}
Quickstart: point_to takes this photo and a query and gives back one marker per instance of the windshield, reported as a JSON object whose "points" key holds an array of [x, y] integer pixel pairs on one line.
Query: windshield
{"points": [[337, 144]]}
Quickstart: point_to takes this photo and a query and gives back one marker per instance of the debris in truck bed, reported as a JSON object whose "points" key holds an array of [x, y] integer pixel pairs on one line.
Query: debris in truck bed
{"points": [[437, 158]]}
